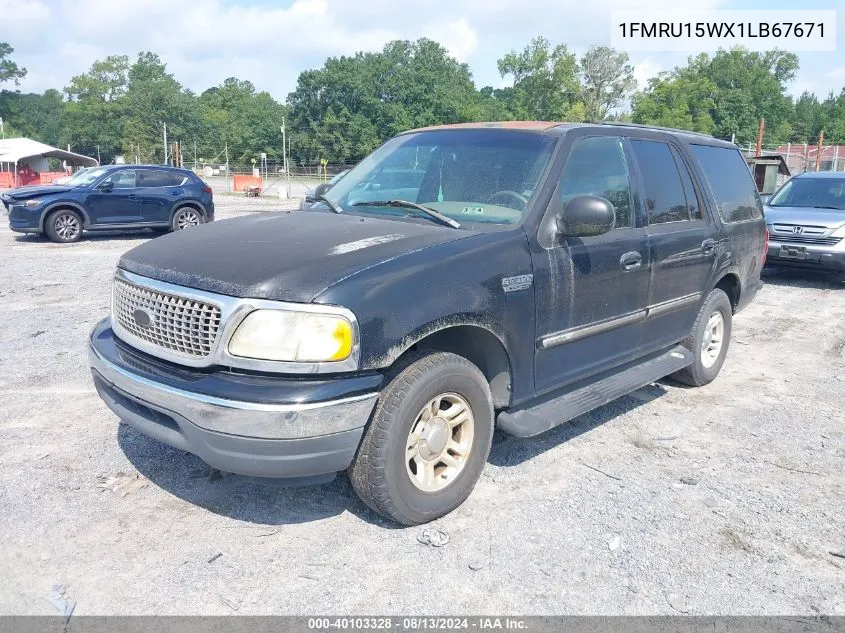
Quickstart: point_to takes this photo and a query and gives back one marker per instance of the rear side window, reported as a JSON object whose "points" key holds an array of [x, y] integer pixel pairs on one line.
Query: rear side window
{"points": [[159, 178], [730, 181], [664, 193]]}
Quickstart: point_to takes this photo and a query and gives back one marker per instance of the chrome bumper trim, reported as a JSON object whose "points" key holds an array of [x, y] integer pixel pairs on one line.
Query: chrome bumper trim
{"points": [[245, 419]]}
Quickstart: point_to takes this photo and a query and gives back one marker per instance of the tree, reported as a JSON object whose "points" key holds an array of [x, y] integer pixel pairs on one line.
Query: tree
{"points": [[106, 81], [545, 80], [725, 95], [9, 70], [608, 79]]}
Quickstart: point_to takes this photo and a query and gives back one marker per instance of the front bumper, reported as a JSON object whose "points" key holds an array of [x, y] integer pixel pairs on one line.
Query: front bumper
{"points": [[246, 424], [818, 257], [23, 219]]}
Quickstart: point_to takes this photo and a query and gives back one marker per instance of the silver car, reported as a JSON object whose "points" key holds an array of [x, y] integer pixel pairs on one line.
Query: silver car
{"points": [[806, 221]]}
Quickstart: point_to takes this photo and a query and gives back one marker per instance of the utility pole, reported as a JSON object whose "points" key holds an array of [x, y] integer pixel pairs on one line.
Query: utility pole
{"points": [[98, 155], [227, 166], [2, 128], [761, 129], [285, 157], [164, 125], [819, 152]]}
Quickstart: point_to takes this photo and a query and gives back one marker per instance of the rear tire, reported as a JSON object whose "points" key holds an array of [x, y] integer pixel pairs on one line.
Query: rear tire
{"points": [[185, 218], [428, 441], [708, 341], [64, 226]]}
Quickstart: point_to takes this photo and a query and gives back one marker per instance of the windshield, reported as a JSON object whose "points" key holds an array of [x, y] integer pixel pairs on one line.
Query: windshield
{"points": [[821, 193], [484, 176], [85, 176]]}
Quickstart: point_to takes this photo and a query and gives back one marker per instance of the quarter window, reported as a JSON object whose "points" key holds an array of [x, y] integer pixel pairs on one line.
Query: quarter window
{"points": [[693, 203], [664, 194], [730, 181], [596, 166]]}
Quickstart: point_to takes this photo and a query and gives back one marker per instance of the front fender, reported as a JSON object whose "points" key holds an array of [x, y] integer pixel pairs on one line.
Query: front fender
{"points": [[403, 300]]}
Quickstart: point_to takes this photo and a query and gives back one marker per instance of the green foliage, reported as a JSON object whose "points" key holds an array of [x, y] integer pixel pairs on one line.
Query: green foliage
{"points": [[725, 95], [9, 70], [608, 80]]}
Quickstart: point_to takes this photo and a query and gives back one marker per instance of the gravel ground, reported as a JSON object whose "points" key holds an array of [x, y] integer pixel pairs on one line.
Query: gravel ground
{"points": [[720, 500]]}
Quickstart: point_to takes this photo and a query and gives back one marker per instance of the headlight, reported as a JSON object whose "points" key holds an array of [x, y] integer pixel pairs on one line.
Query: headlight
{"points": [[293, 336], [32, 203]]}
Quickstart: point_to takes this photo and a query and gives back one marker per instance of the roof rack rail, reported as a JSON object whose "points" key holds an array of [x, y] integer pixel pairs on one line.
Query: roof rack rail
{"points": [[653, 127]]}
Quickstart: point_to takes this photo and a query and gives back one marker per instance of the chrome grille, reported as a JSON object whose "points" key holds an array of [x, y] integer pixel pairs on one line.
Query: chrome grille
{"points": [[804, 239], [181, 326]]}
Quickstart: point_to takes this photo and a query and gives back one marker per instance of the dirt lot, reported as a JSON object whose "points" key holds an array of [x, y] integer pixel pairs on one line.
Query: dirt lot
{"points": [[721, 500]]}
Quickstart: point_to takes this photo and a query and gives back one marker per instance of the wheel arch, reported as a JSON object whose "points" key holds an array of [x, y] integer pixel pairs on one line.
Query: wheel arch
{"points": [[62, 206], [732, 286], [478, 345], [188, 203]]}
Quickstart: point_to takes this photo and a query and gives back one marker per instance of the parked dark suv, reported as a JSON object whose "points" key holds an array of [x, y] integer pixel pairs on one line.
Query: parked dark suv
{"points": [[110, 198], [536, 271]]}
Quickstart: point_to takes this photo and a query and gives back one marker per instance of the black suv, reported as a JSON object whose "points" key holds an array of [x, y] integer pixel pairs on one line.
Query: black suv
{"points": [[110, 198], [537, 271]]}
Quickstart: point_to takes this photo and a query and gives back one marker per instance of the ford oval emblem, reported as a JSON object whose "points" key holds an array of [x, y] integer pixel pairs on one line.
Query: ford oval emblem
{"points": [[143, 318]]}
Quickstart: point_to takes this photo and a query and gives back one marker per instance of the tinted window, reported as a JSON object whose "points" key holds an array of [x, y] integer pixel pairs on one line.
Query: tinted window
{"points": [[123, 179], [693, 203], [821, 193], [664, 195], [730, 181], [159, 178], [596, 166]]}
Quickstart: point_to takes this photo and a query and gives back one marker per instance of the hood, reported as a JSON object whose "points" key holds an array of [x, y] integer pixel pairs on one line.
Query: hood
{"points": [[805, 216], [286, 256], [22, 193]]}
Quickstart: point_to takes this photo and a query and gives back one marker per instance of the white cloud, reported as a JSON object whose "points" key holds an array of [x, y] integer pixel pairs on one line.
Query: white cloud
{"points": [[458, 37]]}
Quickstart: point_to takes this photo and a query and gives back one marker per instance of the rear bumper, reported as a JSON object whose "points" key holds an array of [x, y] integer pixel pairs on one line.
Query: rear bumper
{"points": [[818, 257], [260, 437]]}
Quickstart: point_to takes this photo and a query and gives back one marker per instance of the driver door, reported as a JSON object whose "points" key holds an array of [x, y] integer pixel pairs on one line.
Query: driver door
{"points": [[118, 206], [591, 292]]}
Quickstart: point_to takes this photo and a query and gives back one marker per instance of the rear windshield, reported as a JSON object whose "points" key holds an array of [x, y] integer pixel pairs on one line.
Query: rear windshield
{"points": [[730, 181]]}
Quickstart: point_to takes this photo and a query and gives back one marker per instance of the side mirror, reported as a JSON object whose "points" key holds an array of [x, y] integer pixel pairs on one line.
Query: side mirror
{"points": [[106, 187], [321, 189], [585, 216]]}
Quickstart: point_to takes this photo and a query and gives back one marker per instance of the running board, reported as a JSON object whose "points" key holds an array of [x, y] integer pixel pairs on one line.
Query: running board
{"points": [[541, 417]]}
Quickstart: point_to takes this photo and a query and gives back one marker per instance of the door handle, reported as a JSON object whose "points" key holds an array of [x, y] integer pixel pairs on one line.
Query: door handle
{"points": [[630, 261], [708, 247]]}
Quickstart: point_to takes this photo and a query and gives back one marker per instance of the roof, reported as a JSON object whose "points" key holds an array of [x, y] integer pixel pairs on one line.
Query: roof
{"points": [[13, 150], [822, 174], [771, 159], [561, 128]]}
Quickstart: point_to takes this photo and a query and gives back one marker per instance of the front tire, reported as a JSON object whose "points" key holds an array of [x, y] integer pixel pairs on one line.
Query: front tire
{"points": [[428, 441], [185, 218], [708, 341], [64, 226]]}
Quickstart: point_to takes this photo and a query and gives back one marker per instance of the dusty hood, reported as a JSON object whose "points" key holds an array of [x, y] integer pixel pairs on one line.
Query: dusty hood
{"points": [[805, 216], [22, 193], [288, 256]]}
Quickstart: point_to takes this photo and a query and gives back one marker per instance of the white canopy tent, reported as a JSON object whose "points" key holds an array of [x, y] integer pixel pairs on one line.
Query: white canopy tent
{"points": [[16, 152]]}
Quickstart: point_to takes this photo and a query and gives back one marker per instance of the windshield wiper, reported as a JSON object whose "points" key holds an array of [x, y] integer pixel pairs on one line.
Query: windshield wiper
{"points": [[411, 205], [331, 205]]}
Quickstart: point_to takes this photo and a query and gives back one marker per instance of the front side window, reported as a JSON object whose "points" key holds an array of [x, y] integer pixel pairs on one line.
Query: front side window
{"points": [[124, 179], [730, 181], [819, 193], [664, 194], [484, 176], [596, 166]]}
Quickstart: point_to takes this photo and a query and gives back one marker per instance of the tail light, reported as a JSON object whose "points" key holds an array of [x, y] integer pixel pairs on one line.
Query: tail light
{"points": [[765, 248], [207, 189]]}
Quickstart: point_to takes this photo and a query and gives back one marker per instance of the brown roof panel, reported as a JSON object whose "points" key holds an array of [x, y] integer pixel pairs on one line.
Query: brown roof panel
{"points": [[538, 126]]}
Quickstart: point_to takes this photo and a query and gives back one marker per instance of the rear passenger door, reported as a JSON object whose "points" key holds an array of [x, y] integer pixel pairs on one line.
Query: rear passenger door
{"points": [[591, 292], [682, 247], [158, 191]]}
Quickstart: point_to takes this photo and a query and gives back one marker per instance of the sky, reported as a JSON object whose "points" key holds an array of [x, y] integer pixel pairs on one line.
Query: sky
{"points": [[269, 42]]}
